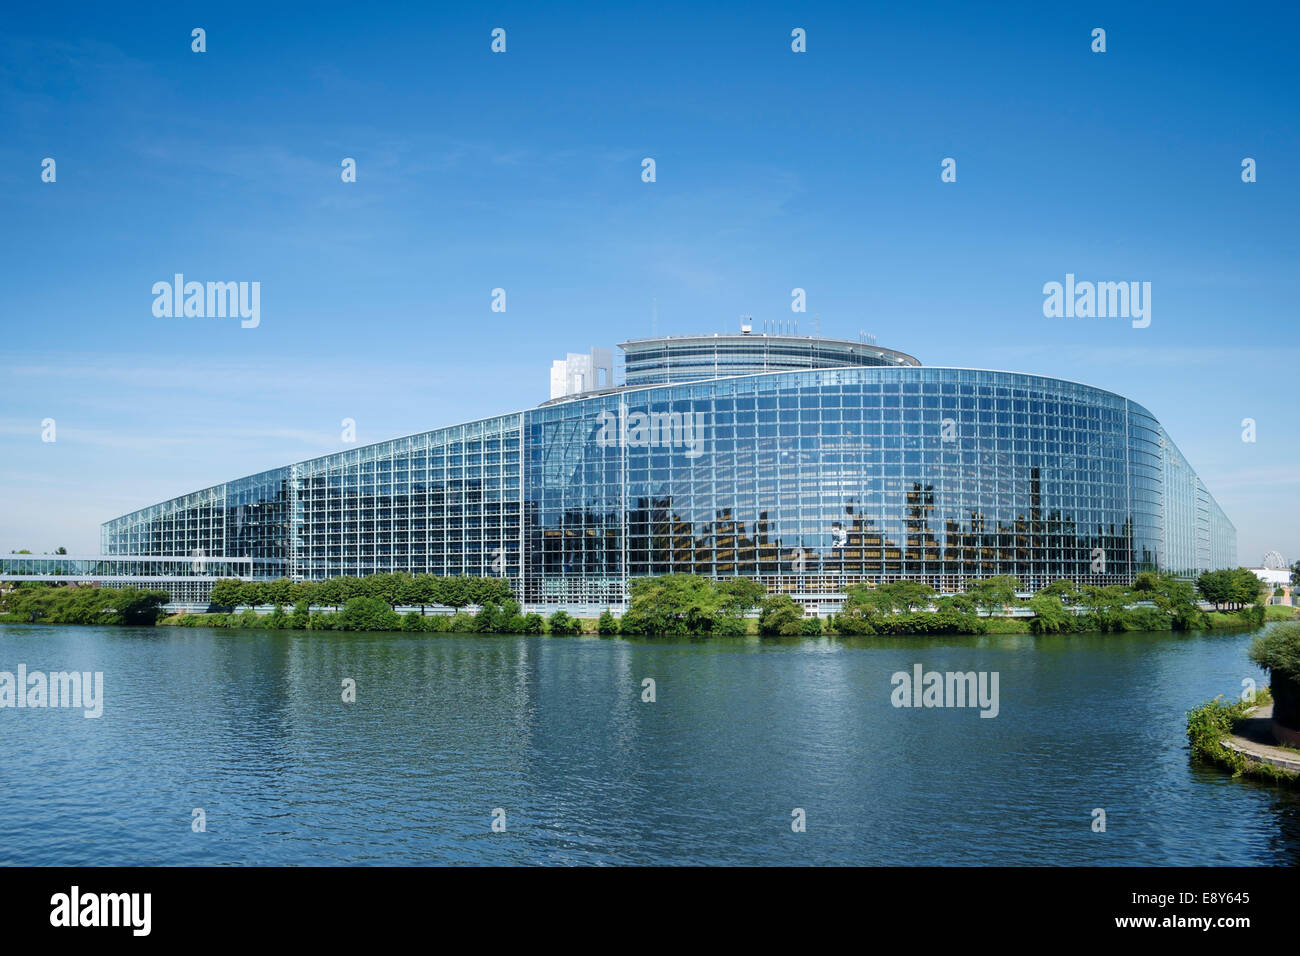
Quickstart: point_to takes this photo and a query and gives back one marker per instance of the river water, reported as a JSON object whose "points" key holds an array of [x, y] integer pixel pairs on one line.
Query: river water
{"points": [[551, 737]]}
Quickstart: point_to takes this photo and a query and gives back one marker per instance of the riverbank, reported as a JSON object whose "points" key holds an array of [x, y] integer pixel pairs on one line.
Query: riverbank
{"points": [[464, 623], [1237, 737], [674, 604]]}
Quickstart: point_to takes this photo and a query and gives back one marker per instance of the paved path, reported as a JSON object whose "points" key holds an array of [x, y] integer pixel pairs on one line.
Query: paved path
{"points": [[1254, 738]]}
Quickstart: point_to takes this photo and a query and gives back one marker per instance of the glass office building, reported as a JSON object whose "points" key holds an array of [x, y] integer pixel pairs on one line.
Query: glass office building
{"points": [[862, 465]]}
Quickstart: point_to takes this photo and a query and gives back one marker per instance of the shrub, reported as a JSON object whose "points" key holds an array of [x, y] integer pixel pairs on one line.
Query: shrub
{"points": [[461, 623], [1146, 619], [811, 627], [781, 615], [730, 625], [533, 624], [368, 614], [1050, 615], [1278, 652], [607, 626], [560, 623]]}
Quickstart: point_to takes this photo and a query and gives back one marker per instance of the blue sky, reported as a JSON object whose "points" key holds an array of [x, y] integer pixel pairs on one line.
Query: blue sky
{"points": [[522, 170]]}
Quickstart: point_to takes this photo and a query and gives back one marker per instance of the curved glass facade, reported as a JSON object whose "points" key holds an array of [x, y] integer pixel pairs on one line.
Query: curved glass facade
{"points": [[808, 480]]}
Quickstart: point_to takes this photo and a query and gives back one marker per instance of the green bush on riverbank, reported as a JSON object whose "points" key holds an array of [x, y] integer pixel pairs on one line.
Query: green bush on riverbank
{"points": [[1209, 726], [1278, 652], [37, 603], [679, 604]]}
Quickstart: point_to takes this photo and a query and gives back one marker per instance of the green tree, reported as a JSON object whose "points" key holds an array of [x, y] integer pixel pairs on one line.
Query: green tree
{"points": [[454, 592], [671, 604], [304, 592], [279, 591], [994, 594], [1050, 615], [781, 615], [226, 592], [909, 595], [607, 626], [386, 586], [251, 593], [1249, 588], [368, 614], [739, 595], [1106, 605], [330, 593], [560, 623], [1216, 587]]}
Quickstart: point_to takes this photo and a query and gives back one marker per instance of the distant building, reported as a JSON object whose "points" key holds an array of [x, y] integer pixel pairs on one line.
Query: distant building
{"points": [[1277, 578]]}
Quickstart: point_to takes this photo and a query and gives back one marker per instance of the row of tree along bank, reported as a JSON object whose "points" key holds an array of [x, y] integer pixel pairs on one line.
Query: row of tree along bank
{"points": [[674, 604]]}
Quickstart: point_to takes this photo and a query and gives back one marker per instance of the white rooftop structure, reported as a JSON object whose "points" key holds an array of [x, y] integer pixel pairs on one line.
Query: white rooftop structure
{"points": [[577, 373]]}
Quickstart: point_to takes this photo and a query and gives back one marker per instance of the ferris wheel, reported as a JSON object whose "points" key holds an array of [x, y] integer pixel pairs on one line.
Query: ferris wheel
{"points": [[1274, 560]]}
